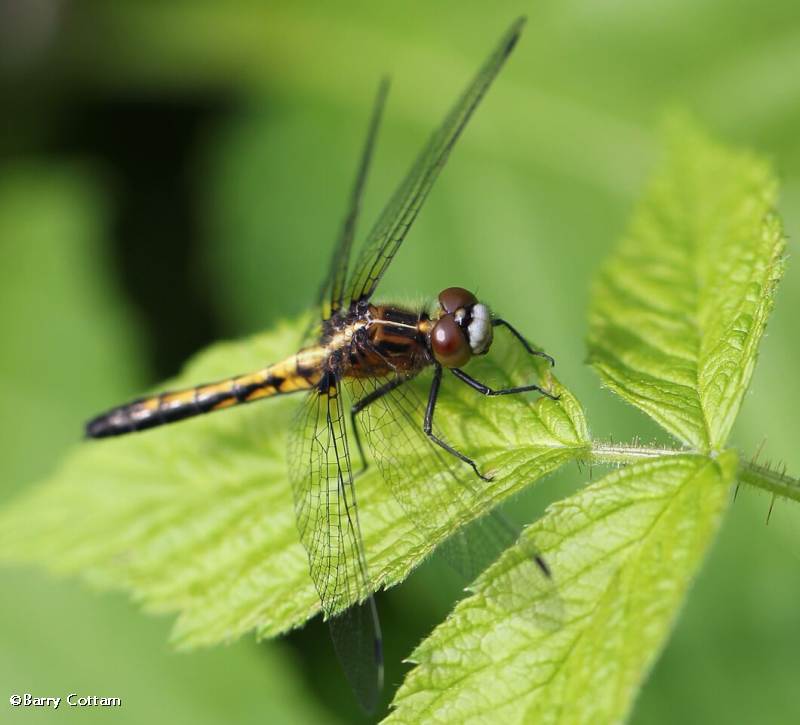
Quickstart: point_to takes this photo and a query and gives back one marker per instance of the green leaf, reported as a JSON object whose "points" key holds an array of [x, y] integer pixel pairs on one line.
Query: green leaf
{"points": [[680, 308], [623, 552], [197, 518]]}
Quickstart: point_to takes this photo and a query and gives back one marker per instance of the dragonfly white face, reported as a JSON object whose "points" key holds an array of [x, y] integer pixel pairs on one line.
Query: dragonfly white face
{"points": [[479, 329]]}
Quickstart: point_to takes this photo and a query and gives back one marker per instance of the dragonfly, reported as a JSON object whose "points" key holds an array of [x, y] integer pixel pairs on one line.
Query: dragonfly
{"points": [[357, 363]]}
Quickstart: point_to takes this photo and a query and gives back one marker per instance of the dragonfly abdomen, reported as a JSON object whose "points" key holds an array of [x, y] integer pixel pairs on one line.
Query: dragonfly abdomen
{"points": [[295, 373]]}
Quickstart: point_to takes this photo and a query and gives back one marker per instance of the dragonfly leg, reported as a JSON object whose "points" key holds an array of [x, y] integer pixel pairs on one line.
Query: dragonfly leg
{"points": [[359, 405], [428, 425], [486, 390], [496, 322]]}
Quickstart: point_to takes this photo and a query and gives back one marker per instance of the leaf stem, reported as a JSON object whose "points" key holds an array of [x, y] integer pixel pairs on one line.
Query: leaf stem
{"points": [[776, 482], [622, 453]]}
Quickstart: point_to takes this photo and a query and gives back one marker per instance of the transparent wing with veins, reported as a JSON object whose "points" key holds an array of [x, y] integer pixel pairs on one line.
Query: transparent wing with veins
{"points": [[397, 217], [332, 290], [322, 482], [437, 491], [327, 519]]}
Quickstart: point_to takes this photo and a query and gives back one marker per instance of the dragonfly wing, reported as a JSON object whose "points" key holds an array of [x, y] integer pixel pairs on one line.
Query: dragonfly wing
{"points": [[327, 518], [341, 259], [411, 463], [331, 291], [358, 644], [397, 217]]}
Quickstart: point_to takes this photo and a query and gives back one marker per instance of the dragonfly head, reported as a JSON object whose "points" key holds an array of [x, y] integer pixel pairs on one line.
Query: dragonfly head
{"points": [[463, 328]]}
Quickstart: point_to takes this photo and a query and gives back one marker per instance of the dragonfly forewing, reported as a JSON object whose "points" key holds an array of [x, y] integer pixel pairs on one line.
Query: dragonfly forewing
{"points": [[438, 492], [399, 214], [327, 518]]}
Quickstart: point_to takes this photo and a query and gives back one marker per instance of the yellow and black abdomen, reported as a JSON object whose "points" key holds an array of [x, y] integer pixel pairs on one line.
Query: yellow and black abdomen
{"points": [[300, 372]]}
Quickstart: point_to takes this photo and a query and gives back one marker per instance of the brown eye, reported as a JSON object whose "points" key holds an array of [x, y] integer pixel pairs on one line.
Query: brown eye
{"points": [[454, 297], [449, 344]]}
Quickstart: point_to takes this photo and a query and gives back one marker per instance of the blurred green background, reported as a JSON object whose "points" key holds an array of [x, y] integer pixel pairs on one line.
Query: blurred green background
{"points": [[175, 173]]}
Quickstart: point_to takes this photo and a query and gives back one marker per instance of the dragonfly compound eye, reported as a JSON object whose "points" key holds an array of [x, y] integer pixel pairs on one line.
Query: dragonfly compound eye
{"points": [[449, 343], [454, 297]]}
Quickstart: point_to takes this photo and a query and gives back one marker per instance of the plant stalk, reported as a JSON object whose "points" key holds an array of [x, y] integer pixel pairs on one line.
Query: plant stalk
{"points": [[775, 481]]}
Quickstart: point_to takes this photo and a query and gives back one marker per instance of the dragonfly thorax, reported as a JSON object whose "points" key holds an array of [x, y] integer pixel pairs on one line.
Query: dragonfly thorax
{"points": [[463, 329]]}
